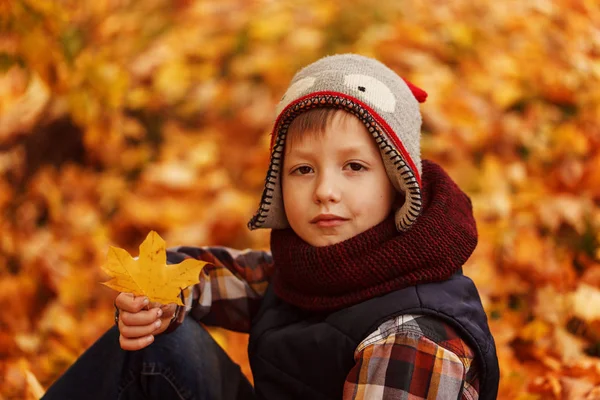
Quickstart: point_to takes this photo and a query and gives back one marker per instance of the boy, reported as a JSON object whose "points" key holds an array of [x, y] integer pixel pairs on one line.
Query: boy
{"points": [[363, 296]]}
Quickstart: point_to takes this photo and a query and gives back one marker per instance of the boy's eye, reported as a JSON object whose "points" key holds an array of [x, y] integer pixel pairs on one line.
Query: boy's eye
{"points": [[303, 170], [355, 166]]}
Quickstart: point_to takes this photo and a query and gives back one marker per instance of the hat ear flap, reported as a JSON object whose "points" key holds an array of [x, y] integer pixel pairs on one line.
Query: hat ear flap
{"points": [[419, 93]]}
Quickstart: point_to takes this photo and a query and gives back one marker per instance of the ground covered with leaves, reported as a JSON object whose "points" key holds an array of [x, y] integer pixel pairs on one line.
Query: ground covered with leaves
{"points": [[121, 117]]}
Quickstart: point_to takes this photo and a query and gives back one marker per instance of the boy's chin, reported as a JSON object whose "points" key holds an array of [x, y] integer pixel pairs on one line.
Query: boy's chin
{"points": [[326, 240]]}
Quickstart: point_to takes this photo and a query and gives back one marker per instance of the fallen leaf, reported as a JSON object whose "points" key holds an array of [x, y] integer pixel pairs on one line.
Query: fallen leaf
{"points": [[34, 389], [576, 388], [149, 275], [568, 347], [586, 302]]}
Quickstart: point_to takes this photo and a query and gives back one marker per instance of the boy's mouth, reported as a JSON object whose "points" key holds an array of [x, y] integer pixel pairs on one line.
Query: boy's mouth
{"points": [[328, 220]]}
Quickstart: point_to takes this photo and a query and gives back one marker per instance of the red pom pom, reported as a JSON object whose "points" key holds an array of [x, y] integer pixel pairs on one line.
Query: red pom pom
{"points": [[419, 93]]}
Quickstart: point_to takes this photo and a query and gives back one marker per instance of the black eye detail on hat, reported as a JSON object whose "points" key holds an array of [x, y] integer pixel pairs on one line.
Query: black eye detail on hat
{"points": [[379, 95]]}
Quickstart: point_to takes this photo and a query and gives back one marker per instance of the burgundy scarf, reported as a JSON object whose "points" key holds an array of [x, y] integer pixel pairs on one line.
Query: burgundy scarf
{"points": [[381, 259]]}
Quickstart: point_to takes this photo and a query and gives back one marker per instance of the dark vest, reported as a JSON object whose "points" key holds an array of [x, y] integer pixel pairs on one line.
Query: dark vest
{"points": [[296, 354]]}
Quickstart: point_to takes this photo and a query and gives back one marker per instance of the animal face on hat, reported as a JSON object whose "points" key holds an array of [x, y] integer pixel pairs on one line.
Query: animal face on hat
{"points": [[387, 105]]}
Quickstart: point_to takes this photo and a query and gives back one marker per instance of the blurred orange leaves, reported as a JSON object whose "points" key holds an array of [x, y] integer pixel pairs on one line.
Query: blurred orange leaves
{"points": [[121, 117]]}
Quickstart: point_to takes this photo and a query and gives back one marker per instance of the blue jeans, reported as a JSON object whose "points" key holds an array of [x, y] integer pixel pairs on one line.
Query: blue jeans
{"points": [[185, 364]]}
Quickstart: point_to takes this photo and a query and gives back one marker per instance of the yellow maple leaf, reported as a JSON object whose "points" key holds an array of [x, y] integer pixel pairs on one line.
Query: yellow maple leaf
{"points": [[149, 275]]}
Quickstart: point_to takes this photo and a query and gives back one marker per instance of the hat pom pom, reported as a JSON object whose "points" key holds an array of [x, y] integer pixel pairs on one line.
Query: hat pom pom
{"points": [[419, 93]]}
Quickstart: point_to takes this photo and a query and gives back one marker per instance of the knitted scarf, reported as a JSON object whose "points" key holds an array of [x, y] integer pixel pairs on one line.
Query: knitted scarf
{"points": [[381, 259]]}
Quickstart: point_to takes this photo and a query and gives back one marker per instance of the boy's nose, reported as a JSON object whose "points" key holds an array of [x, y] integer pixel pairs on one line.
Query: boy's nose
{"points": [[326, 191]]}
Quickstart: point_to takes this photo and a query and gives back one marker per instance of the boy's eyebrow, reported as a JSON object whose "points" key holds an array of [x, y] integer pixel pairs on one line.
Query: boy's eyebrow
{"points": [[299, 153], [344, 152], [351, 150]]}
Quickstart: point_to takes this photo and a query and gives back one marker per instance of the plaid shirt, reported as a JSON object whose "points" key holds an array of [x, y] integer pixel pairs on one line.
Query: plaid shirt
{"points": [[407, 357]]}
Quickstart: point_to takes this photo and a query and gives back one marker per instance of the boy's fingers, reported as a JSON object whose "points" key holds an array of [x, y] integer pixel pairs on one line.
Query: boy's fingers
{"points": [[168, 310], [123, 300], [135, 344], [128, 302], [140, 318], [135, 332], [154, 304]]}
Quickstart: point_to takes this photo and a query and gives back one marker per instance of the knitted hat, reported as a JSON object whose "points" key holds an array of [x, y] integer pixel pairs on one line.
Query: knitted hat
{"points": [[387, 105]]}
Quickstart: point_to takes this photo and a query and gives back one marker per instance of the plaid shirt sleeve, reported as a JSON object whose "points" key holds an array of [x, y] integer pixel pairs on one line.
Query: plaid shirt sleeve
{"points": [[231, 285], [413, 357]]}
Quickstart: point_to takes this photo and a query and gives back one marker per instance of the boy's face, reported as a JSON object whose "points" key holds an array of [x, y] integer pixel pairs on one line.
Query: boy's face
{"points": [[334, 184]]}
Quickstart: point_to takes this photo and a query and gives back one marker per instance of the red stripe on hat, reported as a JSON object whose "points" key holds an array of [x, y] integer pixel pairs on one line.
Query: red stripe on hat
{"points": [[388, 130]]}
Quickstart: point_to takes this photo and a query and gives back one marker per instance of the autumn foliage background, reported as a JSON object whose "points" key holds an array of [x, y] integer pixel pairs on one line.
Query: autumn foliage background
{"points": [[119, 116]]}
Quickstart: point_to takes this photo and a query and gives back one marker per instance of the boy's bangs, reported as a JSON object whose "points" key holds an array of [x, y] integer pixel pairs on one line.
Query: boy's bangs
{"points": [[312, 122]]}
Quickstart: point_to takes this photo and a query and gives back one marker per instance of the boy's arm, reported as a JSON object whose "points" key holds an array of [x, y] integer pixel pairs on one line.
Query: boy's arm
{"points": [[399, 360], [231, 285]]}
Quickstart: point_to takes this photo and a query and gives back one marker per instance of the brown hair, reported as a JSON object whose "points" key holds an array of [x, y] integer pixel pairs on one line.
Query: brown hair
{"points": [[314, 122]]}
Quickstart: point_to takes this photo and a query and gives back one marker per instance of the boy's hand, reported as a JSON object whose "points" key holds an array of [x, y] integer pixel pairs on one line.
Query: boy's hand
{"points": [[140, 320]]}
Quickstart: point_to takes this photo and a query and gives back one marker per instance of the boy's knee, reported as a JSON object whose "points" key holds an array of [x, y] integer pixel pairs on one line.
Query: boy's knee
{"points": [[177, 362], [182, 346]]}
